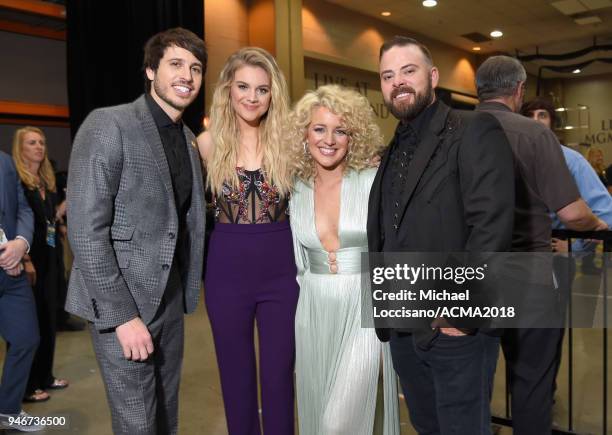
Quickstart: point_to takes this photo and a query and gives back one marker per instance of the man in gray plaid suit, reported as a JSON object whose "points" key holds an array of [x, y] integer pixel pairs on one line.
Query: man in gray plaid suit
{"points": [[136, 226]]}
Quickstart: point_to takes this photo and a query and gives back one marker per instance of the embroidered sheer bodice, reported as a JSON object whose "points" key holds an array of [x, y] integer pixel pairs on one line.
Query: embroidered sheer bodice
{"points": [[255, 201]]}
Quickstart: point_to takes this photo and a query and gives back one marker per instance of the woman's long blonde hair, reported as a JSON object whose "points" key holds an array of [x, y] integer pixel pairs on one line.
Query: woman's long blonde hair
{"points": [[365, 139], [592, 155], [225, 132], [45, 172]]}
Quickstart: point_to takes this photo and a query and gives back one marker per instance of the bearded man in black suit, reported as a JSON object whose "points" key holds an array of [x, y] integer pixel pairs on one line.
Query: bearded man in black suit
{"points": [[445, 184]]}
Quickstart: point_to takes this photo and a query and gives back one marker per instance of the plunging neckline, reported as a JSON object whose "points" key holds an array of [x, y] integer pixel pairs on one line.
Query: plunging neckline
{"points": [[314, 217]]}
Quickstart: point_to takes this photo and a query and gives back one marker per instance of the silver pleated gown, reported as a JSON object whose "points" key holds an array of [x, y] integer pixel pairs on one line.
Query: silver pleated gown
{"points": [[337, 361]]}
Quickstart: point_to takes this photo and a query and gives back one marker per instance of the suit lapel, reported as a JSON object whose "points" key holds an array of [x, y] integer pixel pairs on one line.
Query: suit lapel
{"points": [[194, 158], [375, 229], [154, 143], [427, 147]]}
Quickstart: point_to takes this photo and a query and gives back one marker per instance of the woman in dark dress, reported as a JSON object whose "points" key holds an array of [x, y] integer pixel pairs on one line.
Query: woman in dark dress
{"points": [[44, 264], [251, 271]]}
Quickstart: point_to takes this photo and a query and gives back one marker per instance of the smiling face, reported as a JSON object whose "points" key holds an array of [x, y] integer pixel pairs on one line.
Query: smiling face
{"points": [[328, 139], [250, 93], [407, 81], [33, 148], [177, 80]]}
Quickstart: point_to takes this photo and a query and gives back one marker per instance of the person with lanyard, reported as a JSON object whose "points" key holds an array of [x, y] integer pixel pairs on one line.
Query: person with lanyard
{"points": [[44, 265]]}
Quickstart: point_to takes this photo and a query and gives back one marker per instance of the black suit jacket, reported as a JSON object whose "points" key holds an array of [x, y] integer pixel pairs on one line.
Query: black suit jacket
{"points": [[459, 191]]}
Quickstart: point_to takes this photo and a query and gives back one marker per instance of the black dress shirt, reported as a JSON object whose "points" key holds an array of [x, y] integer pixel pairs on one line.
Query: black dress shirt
{"points": [[177, 154], [404, 145]]}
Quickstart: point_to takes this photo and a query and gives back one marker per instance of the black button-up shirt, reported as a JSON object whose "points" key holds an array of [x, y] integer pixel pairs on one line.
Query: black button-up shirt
{"points": [[404, 145], [177, 154]]}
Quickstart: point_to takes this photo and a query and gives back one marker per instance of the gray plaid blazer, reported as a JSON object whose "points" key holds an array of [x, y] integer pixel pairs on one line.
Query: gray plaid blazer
{"points": [[122, 219]]}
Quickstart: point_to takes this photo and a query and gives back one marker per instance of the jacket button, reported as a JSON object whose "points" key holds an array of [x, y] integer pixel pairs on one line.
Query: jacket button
{"points": [[171, 235], [165, 267]]}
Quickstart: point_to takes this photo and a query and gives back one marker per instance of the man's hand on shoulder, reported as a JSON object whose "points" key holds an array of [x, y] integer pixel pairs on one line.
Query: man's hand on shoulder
{"points": [[135, 339]]}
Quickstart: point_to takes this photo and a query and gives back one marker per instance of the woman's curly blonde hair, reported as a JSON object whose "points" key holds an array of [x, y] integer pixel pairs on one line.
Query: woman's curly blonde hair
{"points": [[365, 139]]}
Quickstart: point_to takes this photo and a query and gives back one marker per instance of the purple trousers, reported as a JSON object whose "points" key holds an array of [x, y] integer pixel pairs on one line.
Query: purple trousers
{"points": [[251, 277]]}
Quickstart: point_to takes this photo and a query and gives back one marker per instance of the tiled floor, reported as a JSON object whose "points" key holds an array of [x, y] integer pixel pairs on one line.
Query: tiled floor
{"points": [[201, 409]]}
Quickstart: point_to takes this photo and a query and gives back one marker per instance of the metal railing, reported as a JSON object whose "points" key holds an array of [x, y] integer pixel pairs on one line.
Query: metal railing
{"points": [[606, 237]]}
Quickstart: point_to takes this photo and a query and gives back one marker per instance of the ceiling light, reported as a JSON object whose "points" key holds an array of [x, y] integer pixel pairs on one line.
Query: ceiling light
{"points": [[429, 3], [385, 14], [476, 48], [576, 71], [585, 20], [496, 34]]}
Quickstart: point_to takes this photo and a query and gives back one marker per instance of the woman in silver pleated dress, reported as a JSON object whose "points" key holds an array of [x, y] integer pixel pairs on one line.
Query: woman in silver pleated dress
{"points": [[334, 137]]}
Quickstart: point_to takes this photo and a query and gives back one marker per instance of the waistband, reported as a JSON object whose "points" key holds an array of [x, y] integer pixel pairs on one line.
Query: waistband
{"points": [[348, 261], [252, 228]]}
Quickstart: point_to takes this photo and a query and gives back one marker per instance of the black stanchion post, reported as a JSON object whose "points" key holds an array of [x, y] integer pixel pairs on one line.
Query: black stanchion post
{"points": [[570, 347], [607, 248], [606, 236], [507, 392]]}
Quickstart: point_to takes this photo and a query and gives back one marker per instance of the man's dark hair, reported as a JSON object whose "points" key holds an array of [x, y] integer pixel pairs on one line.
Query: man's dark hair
{"points": [[539, 103], [156, 46], [498, 76], [403, 41]]}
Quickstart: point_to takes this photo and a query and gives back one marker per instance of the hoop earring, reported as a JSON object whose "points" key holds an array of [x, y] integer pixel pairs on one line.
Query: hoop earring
{"points": [[305, 145]]}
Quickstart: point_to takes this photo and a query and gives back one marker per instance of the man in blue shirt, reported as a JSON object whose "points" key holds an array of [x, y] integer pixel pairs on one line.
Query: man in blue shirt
{"points": [[594, 194], [590, 186]]}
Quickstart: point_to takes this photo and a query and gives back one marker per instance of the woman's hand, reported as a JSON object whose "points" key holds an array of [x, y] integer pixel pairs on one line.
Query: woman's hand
{"points": [[30, 272], [61, 211]]}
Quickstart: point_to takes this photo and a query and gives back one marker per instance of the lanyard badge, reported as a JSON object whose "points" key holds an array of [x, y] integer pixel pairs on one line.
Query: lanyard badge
{"points": [[50, 234]]}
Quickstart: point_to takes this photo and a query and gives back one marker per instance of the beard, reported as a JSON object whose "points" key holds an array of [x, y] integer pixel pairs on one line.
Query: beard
{"points": [[180, 104], [406, 111]]}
